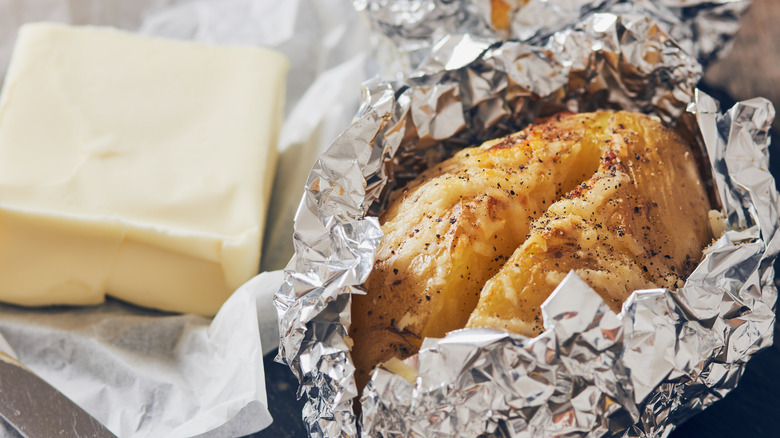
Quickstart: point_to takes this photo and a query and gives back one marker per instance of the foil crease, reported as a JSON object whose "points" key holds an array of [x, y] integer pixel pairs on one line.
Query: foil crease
{"points": [[666, 356], [411, 28]]}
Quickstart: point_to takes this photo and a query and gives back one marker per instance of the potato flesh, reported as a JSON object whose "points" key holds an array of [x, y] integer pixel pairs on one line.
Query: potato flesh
{"points": [[454, 227], [640, 222]]}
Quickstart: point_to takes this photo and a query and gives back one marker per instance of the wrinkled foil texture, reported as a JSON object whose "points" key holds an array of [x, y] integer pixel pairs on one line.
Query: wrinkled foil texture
{"points": [[666, 356], [704, 28]]}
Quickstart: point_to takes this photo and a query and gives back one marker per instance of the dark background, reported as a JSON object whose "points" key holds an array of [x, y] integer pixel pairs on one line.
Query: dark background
{"points": [[751, 410]]}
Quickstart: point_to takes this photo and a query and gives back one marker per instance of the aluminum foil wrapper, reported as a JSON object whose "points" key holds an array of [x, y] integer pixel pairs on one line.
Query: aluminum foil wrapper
{"points": [[704, 28], [666, 356]]}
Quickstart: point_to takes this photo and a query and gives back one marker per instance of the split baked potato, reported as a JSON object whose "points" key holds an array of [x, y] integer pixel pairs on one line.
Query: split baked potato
{"points": [[482, 239]]}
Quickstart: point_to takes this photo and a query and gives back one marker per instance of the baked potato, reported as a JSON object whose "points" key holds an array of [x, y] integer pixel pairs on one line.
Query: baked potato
{"points": [[483, 238]]}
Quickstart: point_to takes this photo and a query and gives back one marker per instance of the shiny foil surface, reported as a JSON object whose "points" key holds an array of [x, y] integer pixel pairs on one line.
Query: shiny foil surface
{"points": [[703, 27], [666, 356]]}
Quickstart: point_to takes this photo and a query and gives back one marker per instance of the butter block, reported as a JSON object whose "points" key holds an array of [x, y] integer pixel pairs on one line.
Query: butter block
{"points": [[135, 167]]}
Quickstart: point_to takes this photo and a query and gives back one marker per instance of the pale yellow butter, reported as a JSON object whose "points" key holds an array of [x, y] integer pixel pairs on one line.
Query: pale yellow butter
{"points": [[135, 167]]}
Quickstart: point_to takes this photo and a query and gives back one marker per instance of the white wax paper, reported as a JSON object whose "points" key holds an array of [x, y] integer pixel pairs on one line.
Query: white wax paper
{"points": [[148, 374]]}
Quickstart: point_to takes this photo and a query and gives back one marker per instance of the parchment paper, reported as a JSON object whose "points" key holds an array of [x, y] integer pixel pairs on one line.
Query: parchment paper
{"points": [[146, 373]]}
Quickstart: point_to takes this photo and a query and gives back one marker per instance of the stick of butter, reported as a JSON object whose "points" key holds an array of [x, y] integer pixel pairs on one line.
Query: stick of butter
{"points": [[133, 166]]}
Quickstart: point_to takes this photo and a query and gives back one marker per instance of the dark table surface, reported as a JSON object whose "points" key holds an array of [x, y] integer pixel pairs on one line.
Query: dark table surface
{"points": [[751, 410]]}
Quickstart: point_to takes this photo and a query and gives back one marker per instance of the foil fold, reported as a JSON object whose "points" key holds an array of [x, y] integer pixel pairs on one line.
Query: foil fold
{"points": [[411, 28], [664, 357]]}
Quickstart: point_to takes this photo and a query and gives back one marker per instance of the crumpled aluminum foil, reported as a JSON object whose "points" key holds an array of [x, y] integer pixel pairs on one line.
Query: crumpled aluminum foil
{"points": [[704, 28], [666, 356]]}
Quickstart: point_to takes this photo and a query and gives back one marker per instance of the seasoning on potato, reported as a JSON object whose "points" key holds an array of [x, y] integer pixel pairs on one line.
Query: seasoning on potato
{"points": [[482, 239]]}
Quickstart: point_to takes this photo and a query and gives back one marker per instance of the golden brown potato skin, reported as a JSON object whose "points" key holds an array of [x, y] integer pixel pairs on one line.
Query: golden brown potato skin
{"points": [[455, 226], [640, 222]]}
